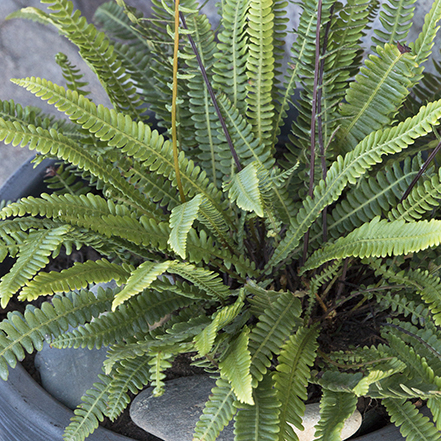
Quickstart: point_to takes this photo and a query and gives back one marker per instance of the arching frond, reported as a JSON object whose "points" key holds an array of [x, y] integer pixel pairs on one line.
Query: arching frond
{"points": [[235, 367], [396, 18], [291, 379], [33, 255], [350, 168], [380, 239], [217, 413], [145, 145], [260, 69], [413, 425], [71, 74], [335, 408], [76, 277], [422, 47], [422, 199], [141, 278], [425, 284], [90, 411], [259, 422], [375, 96], [270, 332], [98, 51], [26, 332]]}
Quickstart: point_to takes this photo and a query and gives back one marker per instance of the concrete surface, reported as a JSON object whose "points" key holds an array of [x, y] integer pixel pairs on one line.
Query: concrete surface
{"points": [[28, 49]]}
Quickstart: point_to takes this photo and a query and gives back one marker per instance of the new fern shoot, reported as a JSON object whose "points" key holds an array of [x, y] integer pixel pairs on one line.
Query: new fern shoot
{"points": [[271, 244]]}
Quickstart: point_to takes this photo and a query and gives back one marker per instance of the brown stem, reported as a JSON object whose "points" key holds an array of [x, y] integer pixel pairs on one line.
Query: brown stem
{"points": [[313, 115], [212, 96], [422, 170]]}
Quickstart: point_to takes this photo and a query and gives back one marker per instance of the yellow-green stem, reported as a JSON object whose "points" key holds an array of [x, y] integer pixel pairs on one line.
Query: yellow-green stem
{"points": [[174, 97]]}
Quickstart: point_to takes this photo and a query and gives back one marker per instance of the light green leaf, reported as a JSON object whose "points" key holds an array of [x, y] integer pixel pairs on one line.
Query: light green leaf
{"points": [[235, 367], [244, 190], [205, 340], [380, 238], [181, 220], [140, 279]]}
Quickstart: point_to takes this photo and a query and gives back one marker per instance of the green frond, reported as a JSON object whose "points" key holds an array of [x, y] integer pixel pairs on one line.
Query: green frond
{"points": [[260, 69], [372, 196], [422, 47], [291, 379], [423, 198], [230, 68], [248, 147], [205, 280], [90, 411], [204, 341], [417, 367], [146, 146], [136, 315], [326, 274], [141, 278], [261, 299], [159, 362], [380, 238], [374, 97], [401, 304], [14, 112], [200, 248], [301, 65], [434, 404], [26, 332], [129, 375], [335, 409], [115, 23], [350, 168], [342, 58], [273, 328], [217, 413], [181, 220], [208, 133], [98, 215], [235, 367], [244, 190], [424, 341], [428, 286], [65, 180], [412, 424], [76, 277], [97, 50], [33, 255], [33, 14], [181, 329], [396, 18], [259, 422], [57, 144], [71, 74]]}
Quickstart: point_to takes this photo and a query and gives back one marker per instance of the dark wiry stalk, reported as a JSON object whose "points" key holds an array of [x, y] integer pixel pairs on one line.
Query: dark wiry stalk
{"points": [[212, 96], [320, 123], [422, 170], [313, 114]]}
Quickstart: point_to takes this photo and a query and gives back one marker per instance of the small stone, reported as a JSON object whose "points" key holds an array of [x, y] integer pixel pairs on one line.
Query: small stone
{"points": [[312, 417], [173, 416]]}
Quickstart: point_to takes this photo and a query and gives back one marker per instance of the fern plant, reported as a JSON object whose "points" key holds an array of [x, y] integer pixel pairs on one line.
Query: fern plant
{"points": [[249, 249]]}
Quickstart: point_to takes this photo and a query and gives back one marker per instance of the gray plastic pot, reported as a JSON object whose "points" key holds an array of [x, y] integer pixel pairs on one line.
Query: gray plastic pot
{"points": [[27, 411]]}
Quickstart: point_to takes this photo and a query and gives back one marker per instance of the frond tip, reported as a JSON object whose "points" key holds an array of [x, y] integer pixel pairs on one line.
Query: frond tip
{"points": [[380, 238]]}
